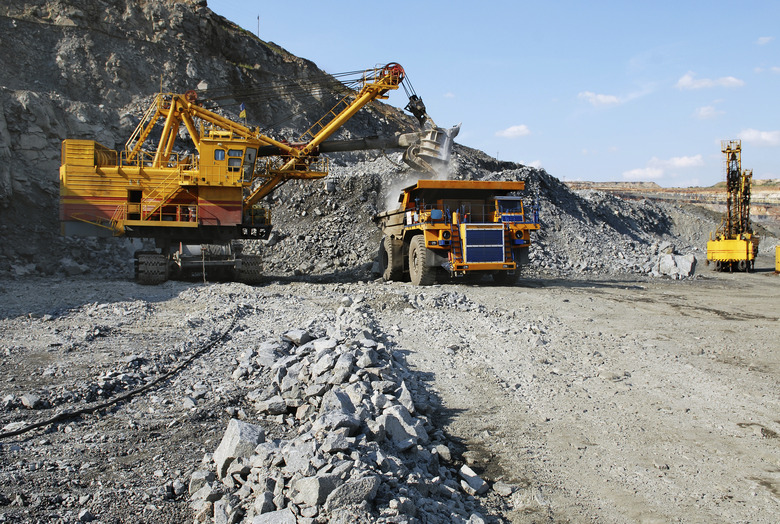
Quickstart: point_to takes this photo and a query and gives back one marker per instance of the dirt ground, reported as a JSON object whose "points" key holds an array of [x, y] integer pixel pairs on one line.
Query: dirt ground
{"points": [[617, 401], [594, 399]]}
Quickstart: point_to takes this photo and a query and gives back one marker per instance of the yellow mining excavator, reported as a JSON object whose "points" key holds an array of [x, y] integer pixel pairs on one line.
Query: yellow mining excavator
{"points": [[734, 245], [195, 205]]}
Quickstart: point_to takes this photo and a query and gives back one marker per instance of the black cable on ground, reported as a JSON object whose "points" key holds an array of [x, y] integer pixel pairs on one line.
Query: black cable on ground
{"points": [[68, 414]]}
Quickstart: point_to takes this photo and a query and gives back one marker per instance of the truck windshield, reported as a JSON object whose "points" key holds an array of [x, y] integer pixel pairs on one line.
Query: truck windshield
{"points": [[509, 206]]}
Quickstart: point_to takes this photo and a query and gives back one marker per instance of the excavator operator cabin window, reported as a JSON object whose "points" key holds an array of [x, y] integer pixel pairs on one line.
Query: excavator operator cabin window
{"points": [[219, 154], [249, 163], [235, 156]]}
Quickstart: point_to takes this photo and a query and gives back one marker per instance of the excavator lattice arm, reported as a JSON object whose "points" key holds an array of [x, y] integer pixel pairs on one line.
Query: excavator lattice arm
{"points": [[375, 84]]}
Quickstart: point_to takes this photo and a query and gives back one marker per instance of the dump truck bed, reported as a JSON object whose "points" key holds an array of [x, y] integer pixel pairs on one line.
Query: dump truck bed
{"points": [[457, 189]]}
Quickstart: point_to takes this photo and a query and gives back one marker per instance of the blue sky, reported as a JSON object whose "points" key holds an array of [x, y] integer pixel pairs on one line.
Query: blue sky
{"points": [[604, 91]]}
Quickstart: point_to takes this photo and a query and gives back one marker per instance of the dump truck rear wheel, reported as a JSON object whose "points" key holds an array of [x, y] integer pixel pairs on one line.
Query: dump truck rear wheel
{"points": [[504, 278], [390, 267], [421, 273]]}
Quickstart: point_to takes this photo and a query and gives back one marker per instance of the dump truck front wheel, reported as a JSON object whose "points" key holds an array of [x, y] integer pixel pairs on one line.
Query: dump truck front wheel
{"points": [[420, 272]]}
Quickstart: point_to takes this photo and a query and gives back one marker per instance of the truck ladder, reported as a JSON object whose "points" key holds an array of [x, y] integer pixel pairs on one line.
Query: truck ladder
{"points": [[456, 242], [508, 240]]}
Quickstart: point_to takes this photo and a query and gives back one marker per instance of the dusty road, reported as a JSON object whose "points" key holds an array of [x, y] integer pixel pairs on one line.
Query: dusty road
{"points": [[620, 401], [597, 399]]}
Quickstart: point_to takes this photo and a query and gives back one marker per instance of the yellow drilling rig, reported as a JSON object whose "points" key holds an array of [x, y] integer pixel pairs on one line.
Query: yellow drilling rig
{"points": [[735, 245]]}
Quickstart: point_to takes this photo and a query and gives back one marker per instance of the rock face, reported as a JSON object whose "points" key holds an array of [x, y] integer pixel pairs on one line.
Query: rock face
{"points": [[239, 441]]}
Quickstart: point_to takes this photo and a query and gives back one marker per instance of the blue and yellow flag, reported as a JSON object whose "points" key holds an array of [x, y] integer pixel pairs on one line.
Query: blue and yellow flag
{"points": [[242, 114]]}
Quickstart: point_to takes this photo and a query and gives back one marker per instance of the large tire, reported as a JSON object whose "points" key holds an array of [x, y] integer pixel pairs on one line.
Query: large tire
{"points": [[420, 272], [392, 269], [504, 278], [251, 269], [152, 269]]}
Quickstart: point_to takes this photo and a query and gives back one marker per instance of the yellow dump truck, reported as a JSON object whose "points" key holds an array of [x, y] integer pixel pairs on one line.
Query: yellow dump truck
{"points": [[456, 228]]}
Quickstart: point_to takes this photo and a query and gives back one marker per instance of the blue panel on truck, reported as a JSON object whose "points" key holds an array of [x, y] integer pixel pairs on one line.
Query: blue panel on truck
{"points": [[485, 254], [484, 237], [484, 244]]}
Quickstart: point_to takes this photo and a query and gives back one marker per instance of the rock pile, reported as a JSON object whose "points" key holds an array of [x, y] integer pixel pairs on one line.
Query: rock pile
{"points": [[675, 266], [671, 264], [361, 447], [586, 232]]}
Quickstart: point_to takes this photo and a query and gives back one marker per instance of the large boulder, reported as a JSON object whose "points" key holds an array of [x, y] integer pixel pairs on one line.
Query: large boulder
{"points": [[240, 440], [675, 266]]}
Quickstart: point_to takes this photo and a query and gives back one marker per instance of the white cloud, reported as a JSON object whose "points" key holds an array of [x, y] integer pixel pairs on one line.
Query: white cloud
{"points": [[775, 69], [706, 112], [604, 100], [687, 81], [760, 138], [536, 164], [514, 131], [449, 94], [657, 168], [764, 40], [685, 161], [676, 162], [599, 100], [645, 173]]}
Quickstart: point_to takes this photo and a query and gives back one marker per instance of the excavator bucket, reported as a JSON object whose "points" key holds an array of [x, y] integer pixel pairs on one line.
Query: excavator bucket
{"points": [[433, 149]]}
